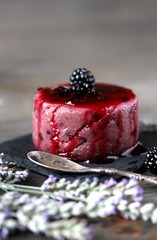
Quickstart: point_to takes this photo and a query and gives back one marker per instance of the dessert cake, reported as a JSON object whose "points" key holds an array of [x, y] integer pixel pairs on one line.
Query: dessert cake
{"points": [[84, 120]]}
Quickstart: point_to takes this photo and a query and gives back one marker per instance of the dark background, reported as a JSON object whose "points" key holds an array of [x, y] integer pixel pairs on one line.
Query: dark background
{"points": [[42, 42]]}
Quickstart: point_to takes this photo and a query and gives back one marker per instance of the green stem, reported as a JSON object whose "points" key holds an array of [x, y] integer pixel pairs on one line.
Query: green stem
{"points": [[21, 188], [34, 190]]}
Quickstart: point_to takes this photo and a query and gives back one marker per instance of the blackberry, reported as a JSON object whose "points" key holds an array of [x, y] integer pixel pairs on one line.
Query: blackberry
{"points": [[82, 80], [151, 160]]}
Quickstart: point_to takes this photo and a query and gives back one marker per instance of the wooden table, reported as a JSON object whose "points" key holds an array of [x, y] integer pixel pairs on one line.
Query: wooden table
{"points": [[42, 42]]}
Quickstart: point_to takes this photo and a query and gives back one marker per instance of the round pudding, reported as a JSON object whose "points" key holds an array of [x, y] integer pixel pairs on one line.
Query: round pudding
{"points": [[85, 125]]}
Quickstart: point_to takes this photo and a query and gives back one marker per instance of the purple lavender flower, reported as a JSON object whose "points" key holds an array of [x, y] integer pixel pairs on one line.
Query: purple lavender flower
{"points": [[131, 183], [138, 198], [87, 180], [3, 215], [22, 175], [48, 183], [45, 186], [123, 182], [52, 178], [110, 210], [4, 233], [110, 182], [136, 191]]}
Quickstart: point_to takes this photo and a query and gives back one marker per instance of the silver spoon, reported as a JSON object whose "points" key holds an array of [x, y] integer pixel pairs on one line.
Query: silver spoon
{"points": [[59, 163]]}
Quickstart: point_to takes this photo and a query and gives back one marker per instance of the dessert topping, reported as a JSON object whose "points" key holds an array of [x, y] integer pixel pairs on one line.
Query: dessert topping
{"points": [[151, 160], [82, 80]]}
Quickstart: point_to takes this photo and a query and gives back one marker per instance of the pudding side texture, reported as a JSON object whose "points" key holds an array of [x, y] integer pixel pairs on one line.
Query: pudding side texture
{"points": [[85, 125]]}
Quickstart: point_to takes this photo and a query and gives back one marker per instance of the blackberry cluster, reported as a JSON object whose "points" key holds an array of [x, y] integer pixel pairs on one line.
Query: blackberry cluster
{"points": [[82, 80], [151, 160]]}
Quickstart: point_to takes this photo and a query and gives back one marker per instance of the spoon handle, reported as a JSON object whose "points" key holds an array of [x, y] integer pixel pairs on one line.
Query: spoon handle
{"points": [[139, 177]]}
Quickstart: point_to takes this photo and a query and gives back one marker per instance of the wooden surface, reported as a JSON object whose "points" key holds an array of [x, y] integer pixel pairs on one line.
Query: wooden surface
{"points": [[42, 42]]}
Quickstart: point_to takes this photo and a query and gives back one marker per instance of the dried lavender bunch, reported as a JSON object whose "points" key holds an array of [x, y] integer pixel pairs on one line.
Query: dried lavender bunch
{"points": [[59, 201], [43, 213], [38, 214], [8, 173]]}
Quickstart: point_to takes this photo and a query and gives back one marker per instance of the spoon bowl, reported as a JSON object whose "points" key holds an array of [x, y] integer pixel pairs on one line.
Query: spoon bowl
{"points": [[57, 163]]}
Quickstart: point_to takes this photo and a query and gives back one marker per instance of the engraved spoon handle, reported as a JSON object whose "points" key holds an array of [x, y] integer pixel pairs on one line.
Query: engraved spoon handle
{"points": [[137, 176]]}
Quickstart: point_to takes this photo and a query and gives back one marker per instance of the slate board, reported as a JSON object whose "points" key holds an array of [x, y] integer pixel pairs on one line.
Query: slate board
{"points": [[16, 151]]}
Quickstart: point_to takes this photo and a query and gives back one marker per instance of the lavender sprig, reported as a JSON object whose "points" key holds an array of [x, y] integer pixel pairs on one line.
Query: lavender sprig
{"points": [[39, 215], [90, 198], [92, 188], [43, 213], [61, 200], [8, 173]]}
